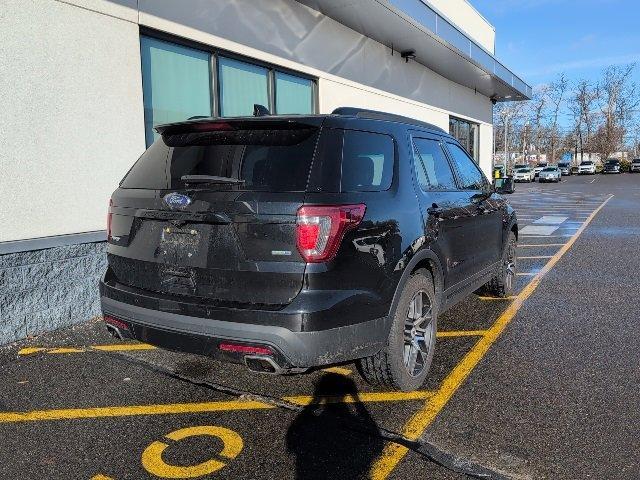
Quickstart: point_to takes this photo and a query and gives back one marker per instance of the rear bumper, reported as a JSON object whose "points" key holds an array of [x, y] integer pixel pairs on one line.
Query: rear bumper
{"points": [[293, 349]]}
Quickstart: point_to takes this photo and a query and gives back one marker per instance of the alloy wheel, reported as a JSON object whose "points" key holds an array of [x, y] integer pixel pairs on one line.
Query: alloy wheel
{"points": [[418, 333]]}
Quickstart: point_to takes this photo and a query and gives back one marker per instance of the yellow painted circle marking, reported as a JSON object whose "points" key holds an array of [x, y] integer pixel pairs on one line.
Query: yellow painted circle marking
{"points": [[152, 456]]}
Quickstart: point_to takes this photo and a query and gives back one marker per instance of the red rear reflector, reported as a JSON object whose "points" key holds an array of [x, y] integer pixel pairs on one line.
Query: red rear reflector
{"points": [[320, 229], [115, 322], [246, 349]]}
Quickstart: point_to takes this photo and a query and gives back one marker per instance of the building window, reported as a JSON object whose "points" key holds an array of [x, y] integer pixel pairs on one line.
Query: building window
{"points": [[241, 86], [176, 83], [468, 134], [178, 79], [293, 94]]}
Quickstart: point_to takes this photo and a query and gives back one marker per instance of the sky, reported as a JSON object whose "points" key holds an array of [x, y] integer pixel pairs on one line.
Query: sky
{"points": [[538, 39]]}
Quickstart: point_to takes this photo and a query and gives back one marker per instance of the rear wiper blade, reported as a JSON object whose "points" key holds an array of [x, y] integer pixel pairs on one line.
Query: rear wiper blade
{"points": [[209, 179]]}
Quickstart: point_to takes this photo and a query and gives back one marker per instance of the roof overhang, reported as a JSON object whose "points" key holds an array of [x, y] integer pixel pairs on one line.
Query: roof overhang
{"points": [[404, 25]]}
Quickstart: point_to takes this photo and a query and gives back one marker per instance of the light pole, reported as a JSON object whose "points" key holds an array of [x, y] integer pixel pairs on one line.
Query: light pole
{"points": [[506, 140]]}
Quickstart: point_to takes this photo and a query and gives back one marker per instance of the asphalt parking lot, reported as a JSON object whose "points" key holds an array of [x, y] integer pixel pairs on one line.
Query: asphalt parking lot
{"points": [[540, 385]]}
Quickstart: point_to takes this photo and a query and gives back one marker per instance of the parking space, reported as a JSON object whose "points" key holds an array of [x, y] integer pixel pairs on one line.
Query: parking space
{"points": [[84, 406]]}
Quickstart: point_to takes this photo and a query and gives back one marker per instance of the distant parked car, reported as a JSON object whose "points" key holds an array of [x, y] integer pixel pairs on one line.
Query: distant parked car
{"points": [[565, 168], [550, 174], [524, 175], [587, 168], [539, 168], [612, 166], [575, 169], [635, 165]]}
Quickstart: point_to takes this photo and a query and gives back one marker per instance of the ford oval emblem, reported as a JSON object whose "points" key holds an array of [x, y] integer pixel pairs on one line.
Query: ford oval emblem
{"points": [[177, 200]]}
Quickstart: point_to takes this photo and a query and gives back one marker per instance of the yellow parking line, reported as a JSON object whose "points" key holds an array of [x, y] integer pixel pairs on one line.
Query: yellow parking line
{"points": [[365, 397], [124, 347], [461, 333], [65, 350], [30, 350], [394, 452], [132, 410], [117, 347], [338, 370], [200, 407], [533, 257]]}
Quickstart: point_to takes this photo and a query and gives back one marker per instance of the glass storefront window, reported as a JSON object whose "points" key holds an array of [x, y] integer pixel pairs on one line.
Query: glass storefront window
{"points": [[176, 83], [293, 94], [468, 134], [241, 86], [178, 80]]}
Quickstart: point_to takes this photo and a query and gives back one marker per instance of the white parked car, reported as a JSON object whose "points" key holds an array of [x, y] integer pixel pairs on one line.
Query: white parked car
{"points": [[550, 174], [635, 165], [539, 168], [524, 175], [587, 168]]}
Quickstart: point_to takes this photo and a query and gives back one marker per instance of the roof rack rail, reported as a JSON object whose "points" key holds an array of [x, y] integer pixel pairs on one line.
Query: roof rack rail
{"points": [[377, 115]]}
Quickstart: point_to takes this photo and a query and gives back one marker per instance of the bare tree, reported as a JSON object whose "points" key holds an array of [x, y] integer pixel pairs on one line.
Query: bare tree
{"points": [[537, 112], [581, 105], [556, 94], [618, 100]]}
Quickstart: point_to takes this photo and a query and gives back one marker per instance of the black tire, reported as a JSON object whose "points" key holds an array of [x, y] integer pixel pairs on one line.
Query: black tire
{"points": [[501, 285], [391, 366]]}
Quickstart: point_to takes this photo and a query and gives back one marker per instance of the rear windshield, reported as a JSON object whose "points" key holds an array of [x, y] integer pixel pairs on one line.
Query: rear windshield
{"points": [[274, 160], [612, 162], [549, 169], [586, 163], [563, 165], [523, 170]]}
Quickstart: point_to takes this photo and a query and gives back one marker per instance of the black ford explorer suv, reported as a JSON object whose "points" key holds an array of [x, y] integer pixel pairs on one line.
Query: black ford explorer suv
{"points": [[291, 242]]}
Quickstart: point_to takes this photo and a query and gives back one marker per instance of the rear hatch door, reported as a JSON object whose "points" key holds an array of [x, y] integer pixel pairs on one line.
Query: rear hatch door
{"points": [[209, 211]]}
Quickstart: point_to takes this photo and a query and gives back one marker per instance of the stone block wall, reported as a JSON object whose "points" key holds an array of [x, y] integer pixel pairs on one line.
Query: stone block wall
{"points": [[42, 290]]}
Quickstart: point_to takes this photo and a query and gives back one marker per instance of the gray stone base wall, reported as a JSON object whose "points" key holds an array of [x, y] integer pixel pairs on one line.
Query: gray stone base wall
{"points": [[42, 290]]}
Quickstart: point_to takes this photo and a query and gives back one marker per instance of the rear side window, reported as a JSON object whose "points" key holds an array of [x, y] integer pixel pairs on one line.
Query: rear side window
{"points": [[275, 160], [432, 168], [471, 178], [367, 161]]}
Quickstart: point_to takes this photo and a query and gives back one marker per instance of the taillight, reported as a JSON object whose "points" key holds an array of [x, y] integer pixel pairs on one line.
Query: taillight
{"points": [[320, 229], [109, 216]]}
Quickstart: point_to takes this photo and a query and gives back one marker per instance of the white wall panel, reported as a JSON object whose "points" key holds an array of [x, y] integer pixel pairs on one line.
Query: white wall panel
{"points": [[72, 119]]}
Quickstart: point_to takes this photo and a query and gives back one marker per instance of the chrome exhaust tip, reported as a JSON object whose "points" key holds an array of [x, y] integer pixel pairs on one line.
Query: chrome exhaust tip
{"points": [[115, 332], [264, 364]]}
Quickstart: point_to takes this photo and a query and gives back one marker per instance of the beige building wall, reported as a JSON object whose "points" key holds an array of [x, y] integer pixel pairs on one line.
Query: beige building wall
{"points": [[74, 124], [464, 16], [71, 119]]}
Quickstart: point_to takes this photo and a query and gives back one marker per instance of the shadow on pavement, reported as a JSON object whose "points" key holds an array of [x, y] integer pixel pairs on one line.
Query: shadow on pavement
{"points": [[333, 439]]}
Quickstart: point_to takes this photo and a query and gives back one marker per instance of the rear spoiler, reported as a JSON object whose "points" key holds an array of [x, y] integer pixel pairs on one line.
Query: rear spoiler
{"points": [[212, 124]]}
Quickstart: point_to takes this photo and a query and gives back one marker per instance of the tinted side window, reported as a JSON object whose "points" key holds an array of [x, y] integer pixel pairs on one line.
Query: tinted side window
{"points": [[471, 178], [367, 161], [432, 168], [150, 169]]}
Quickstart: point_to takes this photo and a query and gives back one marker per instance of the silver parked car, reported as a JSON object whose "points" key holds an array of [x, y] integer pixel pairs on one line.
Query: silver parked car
{"points": [[635, 165], [565, 168], [550, 174]]}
